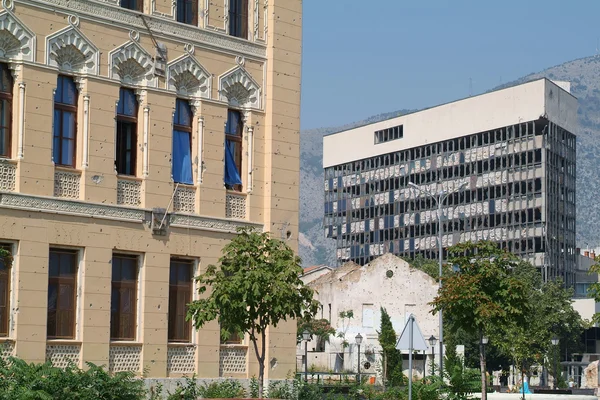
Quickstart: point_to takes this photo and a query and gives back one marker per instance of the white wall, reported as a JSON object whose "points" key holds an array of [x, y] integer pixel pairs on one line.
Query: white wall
{"points": [[526, 102], [364, 290]]}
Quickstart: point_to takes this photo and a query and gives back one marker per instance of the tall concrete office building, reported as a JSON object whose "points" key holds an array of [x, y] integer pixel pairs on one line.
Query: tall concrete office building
{"points": [[135, 137], [505, 159]]}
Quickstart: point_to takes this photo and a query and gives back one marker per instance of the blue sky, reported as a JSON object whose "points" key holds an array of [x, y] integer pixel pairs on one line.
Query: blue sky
{"points": [[365, 57]]}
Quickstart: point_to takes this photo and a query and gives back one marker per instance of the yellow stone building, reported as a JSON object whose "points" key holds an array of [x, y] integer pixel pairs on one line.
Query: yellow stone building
{"points": [[136, 136]]}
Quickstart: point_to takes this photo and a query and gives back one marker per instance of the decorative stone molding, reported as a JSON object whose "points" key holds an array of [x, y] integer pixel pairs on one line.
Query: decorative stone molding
{"points": [[8, 171], [161, 14], [69, 50], [84, 209], [188, 77], [129, 192], [131, 64], [67, 184], [209, 224], [17, 42], [232, 360], [70, 207], [162, 27], [235, 206], [125, 359], [61, 356], [181, 359], [239, 89], [184, 199]]}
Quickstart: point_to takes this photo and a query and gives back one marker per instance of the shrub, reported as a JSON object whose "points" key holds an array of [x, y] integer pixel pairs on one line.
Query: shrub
{"points": [[20, 380], [285, 390], [228, 389]]}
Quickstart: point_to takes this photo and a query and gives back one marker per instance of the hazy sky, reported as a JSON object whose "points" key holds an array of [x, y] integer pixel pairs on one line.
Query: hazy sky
{"points": [[366, 57]]}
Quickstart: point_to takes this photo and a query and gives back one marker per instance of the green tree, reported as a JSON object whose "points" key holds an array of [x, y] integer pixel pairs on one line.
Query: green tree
{"points": [[483, 293], [594, 289], [320, 329], [391, 356], [551, 315], [257, 286]]}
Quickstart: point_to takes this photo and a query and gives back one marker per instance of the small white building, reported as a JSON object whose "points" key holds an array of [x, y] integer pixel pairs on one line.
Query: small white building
{"points": [[387, 282]]}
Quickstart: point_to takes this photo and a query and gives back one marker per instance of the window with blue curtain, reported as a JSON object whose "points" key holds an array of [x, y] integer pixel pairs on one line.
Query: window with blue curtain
{"points": [[127, 110], [6, 97], [233, 150], [182, 143], [187, 11], [65, 122]]}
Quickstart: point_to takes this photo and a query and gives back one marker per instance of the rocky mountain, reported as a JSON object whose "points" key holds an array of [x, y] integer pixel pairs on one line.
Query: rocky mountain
{"points": [[584, 75]]}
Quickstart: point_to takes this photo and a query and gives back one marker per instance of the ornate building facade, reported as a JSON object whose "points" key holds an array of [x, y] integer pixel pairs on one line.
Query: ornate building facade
{"points": [[136, 136]]}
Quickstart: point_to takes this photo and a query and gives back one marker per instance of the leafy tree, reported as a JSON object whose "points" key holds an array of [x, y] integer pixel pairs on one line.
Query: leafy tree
{"points": [[429, 266], [552, 315], [391, 356], [257, 286], [483, 293], [594, 290], [319, 328]]}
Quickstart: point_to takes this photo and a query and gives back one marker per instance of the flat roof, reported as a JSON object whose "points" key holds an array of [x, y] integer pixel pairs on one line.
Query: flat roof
{"points": [[504, 107]]}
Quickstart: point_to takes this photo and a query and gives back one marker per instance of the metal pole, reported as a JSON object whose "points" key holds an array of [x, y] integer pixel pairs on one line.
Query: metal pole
{"points": [[432, 360], [440, 256], [306, 361], [556, 373], [410, 351], [359, 380]]}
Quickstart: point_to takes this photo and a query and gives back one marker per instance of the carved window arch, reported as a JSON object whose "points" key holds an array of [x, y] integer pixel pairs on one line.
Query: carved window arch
{"points": [[71, 51], [16, 40], [188, 77], [131, 64], [239, 89]]}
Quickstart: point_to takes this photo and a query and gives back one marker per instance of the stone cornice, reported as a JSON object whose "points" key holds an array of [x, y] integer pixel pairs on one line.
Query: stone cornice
{"points": [[160, 27], [76, 208], [211, 224]]}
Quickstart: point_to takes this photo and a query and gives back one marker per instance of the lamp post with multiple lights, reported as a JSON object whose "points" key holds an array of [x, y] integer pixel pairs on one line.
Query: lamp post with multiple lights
{"points": [[439, 198]]}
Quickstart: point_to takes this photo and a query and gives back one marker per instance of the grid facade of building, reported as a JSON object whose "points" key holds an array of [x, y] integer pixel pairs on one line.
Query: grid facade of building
{"points": [[514, 185]]}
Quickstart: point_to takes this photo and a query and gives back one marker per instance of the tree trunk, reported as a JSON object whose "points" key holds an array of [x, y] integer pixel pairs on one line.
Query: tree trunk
{"points": [[261, 378], [483, 368]]}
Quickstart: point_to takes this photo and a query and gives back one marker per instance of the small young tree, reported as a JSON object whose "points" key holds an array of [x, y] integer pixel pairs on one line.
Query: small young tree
{"points": [[392, 359], [483, 293], [257, 285]]}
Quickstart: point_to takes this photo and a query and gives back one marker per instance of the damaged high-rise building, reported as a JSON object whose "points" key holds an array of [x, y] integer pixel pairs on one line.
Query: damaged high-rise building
{"points": [[505, 159]]}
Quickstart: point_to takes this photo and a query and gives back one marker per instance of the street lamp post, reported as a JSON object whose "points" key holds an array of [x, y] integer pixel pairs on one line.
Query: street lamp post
{"points": [[358, 339], [484, 342], [555, 342], [432, 339], [306, 337], [439, 198]]}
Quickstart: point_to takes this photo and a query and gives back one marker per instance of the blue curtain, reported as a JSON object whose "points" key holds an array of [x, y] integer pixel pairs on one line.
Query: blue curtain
{"points": [[232, 175], [182, 159]]}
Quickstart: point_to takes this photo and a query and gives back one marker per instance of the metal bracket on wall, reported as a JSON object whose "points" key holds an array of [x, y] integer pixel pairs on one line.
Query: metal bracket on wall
{"points": [[158, 225]]}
